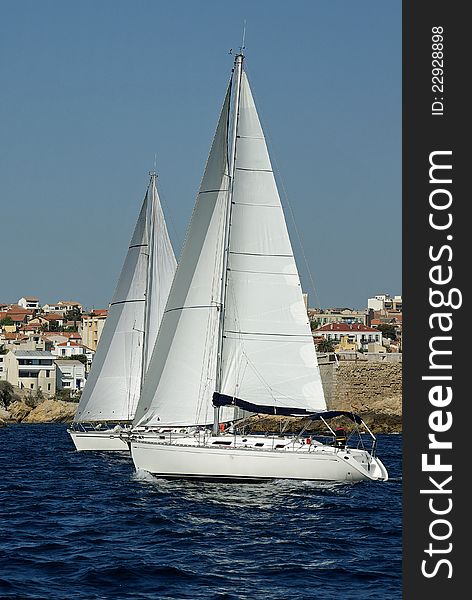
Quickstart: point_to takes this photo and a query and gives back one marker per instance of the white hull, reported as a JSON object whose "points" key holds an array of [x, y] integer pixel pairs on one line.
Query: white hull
{"points": [[107, 440], [185, 458]]}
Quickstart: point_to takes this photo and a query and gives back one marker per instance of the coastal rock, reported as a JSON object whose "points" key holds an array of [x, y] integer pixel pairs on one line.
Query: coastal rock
{"points": [[52, 411], [18, 410], [4, 417]]}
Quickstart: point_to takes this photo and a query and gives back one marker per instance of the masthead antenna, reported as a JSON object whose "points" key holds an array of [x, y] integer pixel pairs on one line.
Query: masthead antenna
{"points": [[153, 173], [242, 47]]}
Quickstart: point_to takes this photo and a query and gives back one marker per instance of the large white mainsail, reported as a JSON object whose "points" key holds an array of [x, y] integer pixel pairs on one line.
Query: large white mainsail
{"points": [[268, 353], [112, 389]]}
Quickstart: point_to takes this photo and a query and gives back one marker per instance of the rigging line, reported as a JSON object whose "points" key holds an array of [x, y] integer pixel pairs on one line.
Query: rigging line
{"points": [[254, 170], [261, 254], [212, 191], [188, 307], [126, 301], [257, 204], [293, 335], [264, 272], [286, 198]]}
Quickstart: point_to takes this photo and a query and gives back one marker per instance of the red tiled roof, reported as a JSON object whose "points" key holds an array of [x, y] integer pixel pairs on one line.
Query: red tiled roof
{"points": [[68, 343], [54, 333], [20, 311], [17, 317]]}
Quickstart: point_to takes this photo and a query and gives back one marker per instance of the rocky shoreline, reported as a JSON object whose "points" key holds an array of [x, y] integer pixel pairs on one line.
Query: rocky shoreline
{"points": [[48, 411], [371, 390], [58, 411]]}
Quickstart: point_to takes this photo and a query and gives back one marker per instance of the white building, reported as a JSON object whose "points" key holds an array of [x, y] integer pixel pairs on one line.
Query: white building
{"points": [[62, 307], [70, 375], [385, 302], [29, 302], [31, 369], [68, 349]]}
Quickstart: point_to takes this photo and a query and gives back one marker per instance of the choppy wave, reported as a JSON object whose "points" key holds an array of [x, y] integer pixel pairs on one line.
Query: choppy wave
{"points": [[88, 526]]}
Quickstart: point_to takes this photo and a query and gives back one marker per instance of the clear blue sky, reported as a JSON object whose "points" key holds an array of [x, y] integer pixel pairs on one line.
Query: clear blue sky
{"points": [[91, 91]]}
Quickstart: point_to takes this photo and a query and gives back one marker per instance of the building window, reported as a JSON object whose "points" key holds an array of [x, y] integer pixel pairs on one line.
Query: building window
{"points": [[49, 387], [32, 386]]}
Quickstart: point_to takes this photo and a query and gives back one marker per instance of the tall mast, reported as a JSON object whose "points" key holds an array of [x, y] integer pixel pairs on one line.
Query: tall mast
{"points": [[151, 233], [238, 68]]}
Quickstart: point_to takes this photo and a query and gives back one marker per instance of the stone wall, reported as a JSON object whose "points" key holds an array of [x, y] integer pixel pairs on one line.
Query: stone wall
{"points": [[364, 387]]}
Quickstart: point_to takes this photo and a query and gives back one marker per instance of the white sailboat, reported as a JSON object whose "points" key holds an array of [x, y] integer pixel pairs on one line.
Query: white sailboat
{"points": [[235, 332], [111, 392]]}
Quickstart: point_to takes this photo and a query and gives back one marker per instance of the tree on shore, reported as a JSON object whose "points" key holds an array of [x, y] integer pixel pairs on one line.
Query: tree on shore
{"points": [[326, 346], [7, 394], [388, 331]]}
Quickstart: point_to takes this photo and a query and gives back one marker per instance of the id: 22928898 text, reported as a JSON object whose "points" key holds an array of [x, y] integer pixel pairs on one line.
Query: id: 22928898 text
{"points": [[437, 70]]}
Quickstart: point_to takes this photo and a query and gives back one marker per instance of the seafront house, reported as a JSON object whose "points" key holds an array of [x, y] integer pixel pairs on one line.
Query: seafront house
{"points": [[31, 369], [70, 375]]}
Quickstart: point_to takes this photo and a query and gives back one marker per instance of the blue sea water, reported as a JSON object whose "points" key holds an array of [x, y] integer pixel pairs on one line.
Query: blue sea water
{"points": [[86, 526]]}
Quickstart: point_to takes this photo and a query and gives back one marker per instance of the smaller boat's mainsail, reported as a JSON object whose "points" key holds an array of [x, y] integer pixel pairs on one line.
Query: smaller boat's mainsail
{"points": [[113, 386]]}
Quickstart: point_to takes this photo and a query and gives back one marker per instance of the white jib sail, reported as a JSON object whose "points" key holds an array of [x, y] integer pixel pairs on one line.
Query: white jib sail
{"points": [[180, 381], [268, 353], [113, 385]]}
